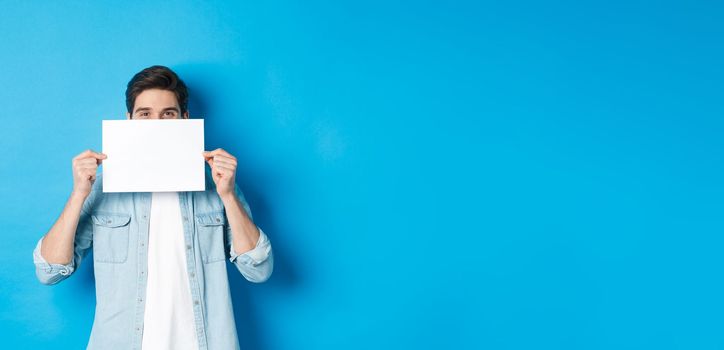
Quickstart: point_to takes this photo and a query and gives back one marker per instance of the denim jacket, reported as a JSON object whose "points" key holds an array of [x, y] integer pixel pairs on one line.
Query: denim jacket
{"points": [[116, 226]]}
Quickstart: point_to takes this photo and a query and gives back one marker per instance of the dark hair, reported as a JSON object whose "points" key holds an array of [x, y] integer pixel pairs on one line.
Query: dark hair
{"points": [[157, 77]]}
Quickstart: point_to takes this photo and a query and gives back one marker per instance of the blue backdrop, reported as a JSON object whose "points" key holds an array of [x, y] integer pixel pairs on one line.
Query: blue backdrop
{"points": [[475, 175]]}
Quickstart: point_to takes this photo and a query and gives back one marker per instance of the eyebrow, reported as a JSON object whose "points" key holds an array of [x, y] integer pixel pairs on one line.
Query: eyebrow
{"points": [[144, 109]]}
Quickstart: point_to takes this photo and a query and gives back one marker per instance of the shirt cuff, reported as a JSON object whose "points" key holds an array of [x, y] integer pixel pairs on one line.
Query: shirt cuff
{"points": [[255, 256], [50, 268]]}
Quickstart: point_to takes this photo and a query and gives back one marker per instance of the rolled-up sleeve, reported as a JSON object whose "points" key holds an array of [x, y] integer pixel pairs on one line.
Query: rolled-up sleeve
{"points": [[48, 273], [257, 264]]}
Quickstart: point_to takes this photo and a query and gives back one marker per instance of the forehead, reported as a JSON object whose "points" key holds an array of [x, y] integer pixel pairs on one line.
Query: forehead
{"points": [[155, 99]]}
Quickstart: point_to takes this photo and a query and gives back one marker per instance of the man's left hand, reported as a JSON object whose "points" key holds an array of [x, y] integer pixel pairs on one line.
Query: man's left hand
{"points": [[223, 171]]}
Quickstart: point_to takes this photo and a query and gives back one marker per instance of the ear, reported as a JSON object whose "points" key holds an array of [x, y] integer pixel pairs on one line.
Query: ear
{"points": [[128, 115], [186, 115]]}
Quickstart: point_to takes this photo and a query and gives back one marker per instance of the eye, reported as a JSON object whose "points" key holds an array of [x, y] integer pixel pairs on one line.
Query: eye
{"points": [[170, 114]]}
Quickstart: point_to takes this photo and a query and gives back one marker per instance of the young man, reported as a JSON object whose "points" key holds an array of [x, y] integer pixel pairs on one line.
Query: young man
{"points": [[161, 280]]}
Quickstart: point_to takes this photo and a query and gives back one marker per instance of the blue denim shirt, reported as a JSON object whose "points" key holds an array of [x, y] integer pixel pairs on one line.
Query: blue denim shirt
{"points": [[116, 226]]}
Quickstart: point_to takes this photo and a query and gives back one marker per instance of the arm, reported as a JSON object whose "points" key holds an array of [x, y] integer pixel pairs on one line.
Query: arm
{"points": [[58, 253], [248, 246], [245, 233], [57, 247]]}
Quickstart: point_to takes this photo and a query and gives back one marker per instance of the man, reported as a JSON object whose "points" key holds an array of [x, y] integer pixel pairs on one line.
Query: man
{"points": [[161, 280]]}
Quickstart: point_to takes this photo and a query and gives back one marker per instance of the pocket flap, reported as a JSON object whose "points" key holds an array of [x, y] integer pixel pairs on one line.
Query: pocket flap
{"points": [[211, 219], [110, 220]]}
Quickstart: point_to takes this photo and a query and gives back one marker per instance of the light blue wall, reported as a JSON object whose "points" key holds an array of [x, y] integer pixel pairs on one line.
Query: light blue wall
{"points": [[473, 175]]}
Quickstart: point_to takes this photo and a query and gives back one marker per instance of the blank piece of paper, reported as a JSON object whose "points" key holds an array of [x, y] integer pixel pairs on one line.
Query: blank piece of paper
{"points": [[153, 155]]}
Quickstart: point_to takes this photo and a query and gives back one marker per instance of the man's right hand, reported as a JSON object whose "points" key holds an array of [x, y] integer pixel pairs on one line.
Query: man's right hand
{"points": [[85, 166]]}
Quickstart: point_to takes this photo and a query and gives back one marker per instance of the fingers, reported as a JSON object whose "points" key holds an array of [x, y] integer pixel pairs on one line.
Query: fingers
{"points": [[218, 153], [89, 153], [221, 161], [224, 162], [89, 156], [85, 165], [91, 166], [87, 162], [224, 171]]}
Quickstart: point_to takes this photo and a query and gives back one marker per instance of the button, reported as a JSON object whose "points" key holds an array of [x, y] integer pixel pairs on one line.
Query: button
{"points": [[140, 300], [186, 219], [109, 221], [192, 275], [196, 302], [142, 244], [218, 220], [188, 246], [142, 272]]}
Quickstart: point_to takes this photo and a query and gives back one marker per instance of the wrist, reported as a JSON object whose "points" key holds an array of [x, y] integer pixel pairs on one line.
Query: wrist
{"points": [[228, 197], [78, 195]]}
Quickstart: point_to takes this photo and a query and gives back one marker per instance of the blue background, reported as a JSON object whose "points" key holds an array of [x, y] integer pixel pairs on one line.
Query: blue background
{"points": [[474, 175]]}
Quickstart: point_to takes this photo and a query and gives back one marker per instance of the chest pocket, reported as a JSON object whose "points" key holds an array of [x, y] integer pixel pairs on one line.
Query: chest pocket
{"points": [[210, 232], [110, 237]]}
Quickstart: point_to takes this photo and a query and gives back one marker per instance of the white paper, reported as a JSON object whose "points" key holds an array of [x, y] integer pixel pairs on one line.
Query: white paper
{"points": [[153, 155]]}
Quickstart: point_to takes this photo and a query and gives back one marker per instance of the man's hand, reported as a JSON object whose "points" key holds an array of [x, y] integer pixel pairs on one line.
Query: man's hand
{"points": [[85, 166], [223, 171]]}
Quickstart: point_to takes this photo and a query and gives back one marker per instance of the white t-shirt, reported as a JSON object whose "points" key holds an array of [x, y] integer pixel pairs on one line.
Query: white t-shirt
{"points": [[168, 318]]}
